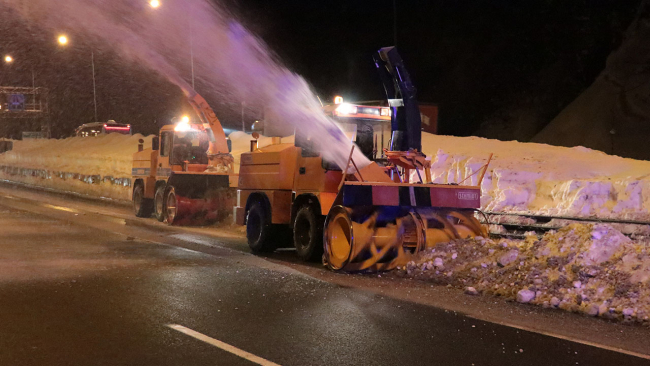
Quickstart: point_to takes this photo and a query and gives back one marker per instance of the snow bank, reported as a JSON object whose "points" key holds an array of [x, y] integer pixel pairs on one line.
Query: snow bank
{"points": [[523, 177], [544, 179], [97, 166], [593, 269], [106, 155]]}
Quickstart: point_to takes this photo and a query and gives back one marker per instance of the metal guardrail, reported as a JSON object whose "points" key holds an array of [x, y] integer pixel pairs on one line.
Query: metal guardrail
{"points": [[542, 223], [49, 174]]}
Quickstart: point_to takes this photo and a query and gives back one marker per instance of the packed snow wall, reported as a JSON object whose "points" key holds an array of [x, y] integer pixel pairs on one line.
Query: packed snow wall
{"points": [[544, 179], [522, 177], [96, 166]]}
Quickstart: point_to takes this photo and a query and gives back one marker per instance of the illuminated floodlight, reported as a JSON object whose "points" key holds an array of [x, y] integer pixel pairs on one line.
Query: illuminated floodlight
{"points": [[183, 125], [338, 99], [9, 59], [63, 40], [346, 108], [154, 3]]}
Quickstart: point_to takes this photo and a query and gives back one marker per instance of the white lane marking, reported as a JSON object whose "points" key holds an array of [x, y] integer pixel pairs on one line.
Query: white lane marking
{"points": [[60, 208], [190, 238], [224, 346], [566, 338]]}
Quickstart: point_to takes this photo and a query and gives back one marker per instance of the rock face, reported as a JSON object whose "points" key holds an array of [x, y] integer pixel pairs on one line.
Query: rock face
{"points": [[612, 113]]}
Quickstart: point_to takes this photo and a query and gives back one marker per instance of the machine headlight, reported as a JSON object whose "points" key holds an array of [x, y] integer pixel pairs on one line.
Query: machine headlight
{"points": [[182, 126], [346, 108], [385, 112]]}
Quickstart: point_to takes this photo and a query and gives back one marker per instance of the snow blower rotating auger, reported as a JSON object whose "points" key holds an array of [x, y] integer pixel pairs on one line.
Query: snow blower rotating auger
{"points": [[378, 226]]}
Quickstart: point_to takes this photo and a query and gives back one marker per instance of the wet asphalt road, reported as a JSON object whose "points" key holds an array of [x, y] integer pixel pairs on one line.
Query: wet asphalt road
{"points": [[75, 293]]}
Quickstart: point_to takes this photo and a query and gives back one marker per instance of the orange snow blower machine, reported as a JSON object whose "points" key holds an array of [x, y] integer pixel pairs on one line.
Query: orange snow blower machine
{"points": [[365, 219], [187, 175]]}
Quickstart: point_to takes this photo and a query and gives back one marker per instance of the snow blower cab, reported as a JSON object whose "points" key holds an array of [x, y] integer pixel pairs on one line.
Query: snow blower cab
{"points": [[368, 126]]}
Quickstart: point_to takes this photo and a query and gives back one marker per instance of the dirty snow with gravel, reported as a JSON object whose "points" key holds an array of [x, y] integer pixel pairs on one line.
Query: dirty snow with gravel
{"points": [[587, 268]]}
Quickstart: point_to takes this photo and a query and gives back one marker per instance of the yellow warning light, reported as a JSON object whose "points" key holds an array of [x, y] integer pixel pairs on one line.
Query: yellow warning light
{"points": [[338, 99]]}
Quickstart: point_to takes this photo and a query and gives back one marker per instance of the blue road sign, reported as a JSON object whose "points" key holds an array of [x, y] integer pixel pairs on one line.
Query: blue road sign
{"points": [[16, 102]]}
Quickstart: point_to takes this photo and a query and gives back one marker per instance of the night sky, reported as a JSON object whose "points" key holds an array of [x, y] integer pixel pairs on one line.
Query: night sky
{"points": [[478, 60]]}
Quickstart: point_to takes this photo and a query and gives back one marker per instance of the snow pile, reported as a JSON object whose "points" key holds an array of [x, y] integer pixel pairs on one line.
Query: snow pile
{"points": [[106, 155], [543, 179], [593, 269], [522, 178], [97, 166]]}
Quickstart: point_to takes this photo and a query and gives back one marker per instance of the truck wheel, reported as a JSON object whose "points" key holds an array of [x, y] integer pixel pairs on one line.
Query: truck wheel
{"points": [[308, 234], [141, 206], [259, 228], [158, 203], [170, 208]]}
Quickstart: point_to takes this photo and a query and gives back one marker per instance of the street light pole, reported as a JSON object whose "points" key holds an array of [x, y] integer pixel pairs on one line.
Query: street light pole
{"points": [[243, 125], [63, 41], [92, 61], [8, 61]]}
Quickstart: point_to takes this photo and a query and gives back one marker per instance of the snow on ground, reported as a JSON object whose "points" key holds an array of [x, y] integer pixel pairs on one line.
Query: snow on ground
{"points": [[592, 269], [523, 177], [104, 156], [110, 154], [544, 179]]}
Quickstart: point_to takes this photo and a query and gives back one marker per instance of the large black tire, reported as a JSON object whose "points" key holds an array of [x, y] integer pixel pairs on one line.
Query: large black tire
{"points": [[259, 229], [308, 234], [159, 203], [170, 206], [141, 206]]}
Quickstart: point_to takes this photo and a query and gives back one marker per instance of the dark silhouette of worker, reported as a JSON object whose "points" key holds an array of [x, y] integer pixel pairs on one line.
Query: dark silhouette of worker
{"points": [[200, 153], [182, 150]]}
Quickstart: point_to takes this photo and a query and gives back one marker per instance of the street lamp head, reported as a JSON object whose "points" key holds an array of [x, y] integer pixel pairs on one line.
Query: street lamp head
{"points": [[154, 3], [63, 40], [9, 59]]}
